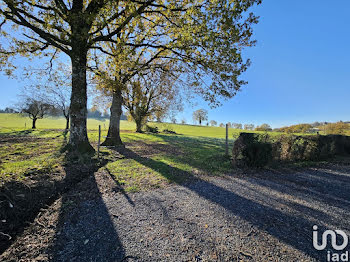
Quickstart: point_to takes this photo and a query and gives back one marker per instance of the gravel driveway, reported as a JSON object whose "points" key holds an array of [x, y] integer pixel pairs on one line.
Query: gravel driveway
{"points": [[262, 216]]}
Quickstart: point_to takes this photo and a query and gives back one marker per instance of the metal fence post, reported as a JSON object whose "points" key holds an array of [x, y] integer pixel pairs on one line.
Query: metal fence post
{"points": [[226, 152], [99, 141]]}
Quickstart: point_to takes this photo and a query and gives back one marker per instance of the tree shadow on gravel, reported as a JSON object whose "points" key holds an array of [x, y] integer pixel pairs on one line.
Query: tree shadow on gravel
{"points": [[291, 229], [86, 229], [320, 185], [119, 188]]}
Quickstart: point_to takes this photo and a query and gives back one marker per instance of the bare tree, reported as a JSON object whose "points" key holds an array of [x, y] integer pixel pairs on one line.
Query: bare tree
{"points": [[61, 101], [56, 85], [35, 109], [237, 126], [249, 127]]}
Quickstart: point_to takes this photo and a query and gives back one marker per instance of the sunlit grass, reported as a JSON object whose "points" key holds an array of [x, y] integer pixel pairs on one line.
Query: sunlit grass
{"points": [[23, 122], [30, 157], [154, 160], [17, 122]]}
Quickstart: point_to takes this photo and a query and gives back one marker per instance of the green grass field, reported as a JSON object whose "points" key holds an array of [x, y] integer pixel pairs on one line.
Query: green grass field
{"points": [[18, 122], [153, 160], [150, 160]]}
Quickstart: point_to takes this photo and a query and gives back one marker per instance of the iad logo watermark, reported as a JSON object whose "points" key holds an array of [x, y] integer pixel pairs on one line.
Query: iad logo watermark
{"points": [[339, 241]]}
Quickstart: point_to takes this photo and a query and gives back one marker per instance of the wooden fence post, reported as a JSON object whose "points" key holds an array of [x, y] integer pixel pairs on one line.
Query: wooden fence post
{"points": [[99, 141], [226, 151]]}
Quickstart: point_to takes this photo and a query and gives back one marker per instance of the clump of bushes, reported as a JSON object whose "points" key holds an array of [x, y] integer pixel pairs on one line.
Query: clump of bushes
{"points": [[300, 128], [169, 131], [258, 150], [151, 129], [251, 150]]}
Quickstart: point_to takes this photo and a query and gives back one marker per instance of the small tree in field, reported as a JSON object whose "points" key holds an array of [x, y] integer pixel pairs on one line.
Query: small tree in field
{"points": [[222, 125], [57, 89], [200, 115], [249, 127], [213, 123], [147, 94], [237, 126], [264, 127], [35, 109]]}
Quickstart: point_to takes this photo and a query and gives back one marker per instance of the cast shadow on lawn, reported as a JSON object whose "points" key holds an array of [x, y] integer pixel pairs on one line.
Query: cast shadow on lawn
{"points": [[20, 202], [87, 229], [293, 230], [207, 155], [18, 132]]}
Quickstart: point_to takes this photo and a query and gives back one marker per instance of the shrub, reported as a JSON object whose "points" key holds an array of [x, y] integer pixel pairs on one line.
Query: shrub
{"points": [[258, 150], [300, 128], [251, 150], [263, 127], [339, 128], [151, 129], [169, 131]]}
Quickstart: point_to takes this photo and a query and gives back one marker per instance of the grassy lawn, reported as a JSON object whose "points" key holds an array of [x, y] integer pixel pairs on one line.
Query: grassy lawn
{"points": [[17, 122], [156, 160], [149, 160], [24, 153]]}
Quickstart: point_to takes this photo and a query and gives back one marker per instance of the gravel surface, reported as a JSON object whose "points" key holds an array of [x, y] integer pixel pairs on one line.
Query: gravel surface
{"points": [[262, 216]]}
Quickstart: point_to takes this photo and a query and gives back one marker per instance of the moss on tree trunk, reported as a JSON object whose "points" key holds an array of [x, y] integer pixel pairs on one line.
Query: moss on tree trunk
{"points": [[78, 139]]}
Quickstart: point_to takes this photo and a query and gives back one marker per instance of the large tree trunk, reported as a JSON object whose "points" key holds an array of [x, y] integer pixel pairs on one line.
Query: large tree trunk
{"points": [[67, 122], [78, 139], [113, 136], [138, 125], [34, 123]]}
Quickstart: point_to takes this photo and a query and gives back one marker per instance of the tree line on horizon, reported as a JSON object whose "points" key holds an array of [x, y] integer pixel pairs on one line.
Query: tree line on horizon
{"points": [[339, 127]]}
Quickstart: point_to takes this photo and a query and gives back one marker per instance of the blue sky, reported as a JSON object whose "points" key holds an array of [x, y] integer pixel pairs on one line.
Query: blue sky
{"points": [[300, 68]]}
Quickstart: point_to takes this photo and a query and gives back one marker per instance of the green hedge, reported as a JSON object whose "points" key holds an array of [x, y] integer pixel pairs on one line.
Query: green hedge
{"points": [[258, 150]]}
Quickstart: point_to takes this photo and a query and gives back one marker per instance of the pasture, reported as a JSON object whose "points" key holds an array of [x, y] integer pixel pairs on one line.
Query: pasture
{"points": [[203, 153], [18, 122]]}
